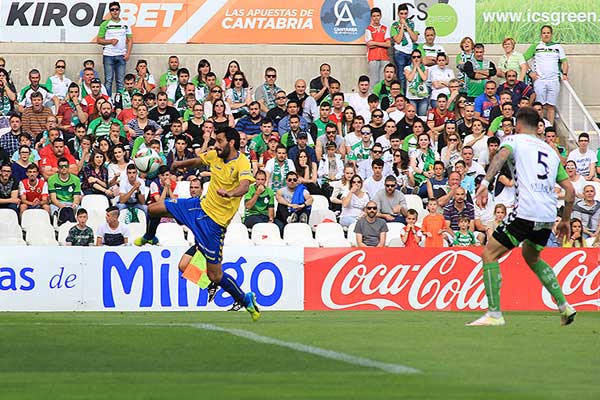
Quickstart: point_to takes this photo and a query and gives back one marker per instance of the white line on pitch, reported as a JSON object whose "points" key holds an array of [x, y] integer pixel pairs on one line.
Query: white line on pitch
{"points": [[334, 355], [318, 351]]}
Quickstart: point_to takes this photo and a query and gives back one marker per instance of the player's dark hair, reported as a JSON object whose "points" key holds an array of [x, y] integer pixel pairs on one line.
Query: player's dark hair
{"points": [[231, 134], [528, 117]]}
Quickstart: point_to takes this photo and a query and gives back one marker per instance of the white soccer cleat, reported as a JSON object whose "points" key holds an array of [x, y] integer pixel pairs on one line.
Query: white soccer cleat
{"points": [[567, 316], [487, 320]]}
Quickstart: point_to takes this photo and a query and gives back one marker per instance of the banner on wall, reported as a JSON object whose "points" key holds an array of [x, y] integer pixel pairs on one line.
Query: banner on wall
{"points": [[227, 21], [139, 279], [573, 21], [451, 279]]}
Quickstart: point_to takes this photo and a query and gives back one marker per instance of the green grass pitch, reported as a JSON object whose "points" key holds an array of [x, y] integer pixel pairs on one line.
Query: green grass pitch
{"points": [[163, 356]]}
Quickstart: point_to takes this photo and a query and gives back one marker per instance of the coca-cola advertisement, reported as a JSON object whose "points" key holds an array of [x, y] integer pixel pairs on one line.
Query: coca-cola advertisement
{"points": [[441, 279]]}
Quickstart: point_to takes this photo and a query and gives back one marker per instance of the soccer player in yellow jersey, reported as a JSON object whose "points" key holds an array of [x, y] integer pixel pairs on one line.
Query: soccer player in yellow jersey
{"points": [[231, 176]]}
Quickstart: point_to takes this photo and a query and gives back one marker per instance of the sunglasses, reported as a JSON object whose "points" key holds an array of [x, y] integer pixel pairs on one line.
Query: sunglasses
{"points": [[238, 79], [60, 66], [415, 57], [390, 185], [114, 9], [293, 180], [271, 76], [453, 140], [216, 91], [377, 151], [280, 98], [371, 208], [365, 133], [356, 182], [377, 116], [63, 166]]}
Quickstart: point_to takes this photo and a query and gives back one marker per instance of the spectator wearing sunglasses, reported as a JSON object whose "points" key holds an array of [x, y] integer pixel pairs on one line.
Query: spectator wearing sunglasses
{"points": [[370, 230]]}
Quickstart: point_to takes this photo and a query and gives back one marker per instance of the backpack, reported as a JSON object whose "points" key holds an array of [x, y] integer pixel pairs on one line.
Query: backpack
{"points": [[66, 214]]}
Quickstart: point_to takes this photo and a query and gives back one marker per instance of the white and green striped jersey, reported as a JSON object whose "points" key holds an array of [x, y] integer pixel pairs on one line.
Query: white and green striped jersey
{"points": [[536, 168], [547, 58], [119, 30], [360, 151]]}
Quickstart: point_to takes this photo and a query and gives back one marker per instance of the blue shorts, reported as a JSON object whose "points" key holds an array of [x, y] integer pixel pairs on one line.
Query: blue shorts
{"points": [[208, 234]]}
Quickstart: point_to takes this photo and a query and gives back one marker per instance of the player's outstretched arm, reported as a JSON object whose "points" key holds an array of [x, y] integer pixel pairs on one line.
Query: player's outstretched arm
{"points": [[239, 191], [192, 162]]}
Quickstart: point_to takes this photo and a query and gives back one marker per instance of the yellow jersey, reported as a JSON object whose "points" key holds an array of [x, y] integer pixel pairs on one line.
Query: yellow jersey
{"points": [[224, 175]]}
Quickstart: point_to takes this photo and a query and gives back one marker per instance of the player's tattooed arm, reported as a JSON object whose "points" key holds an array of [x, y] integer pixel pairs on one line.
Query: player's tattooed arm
{"points": [[497, 163]]}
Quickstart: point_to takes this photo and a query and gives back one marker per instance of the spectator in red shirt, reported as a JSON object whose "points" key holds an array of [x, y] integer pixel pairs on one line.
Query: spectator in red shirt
{"points": [[33, 191], [73, 111], [49, 160]]}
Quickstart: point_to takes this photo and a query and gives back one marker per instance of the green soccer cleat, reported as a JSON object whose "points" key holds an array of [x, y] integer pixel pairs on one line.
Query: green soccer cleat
{"points": [[487, 320], [142, 241], [251, 306], [567, 316]]}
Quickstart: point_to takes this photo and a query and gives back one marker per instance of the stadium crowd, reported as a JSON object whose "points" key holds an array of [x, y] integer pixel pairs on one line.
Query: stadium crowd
{"points": [[409, 145]]}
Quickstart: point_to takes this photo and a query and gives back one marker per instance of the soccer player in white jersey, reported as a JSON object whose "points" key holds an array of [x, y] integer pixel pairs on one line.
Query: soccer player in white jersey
{"points": [[536, 168], [549, 61]]}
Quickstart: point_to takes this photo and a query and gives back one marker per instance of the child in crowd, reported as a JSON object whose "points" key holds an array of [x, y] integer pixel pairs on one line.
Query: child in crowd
{"points": [[464, 237], [433, 226], [499, 215], [411, 234], [80, 234], [88, 64]]}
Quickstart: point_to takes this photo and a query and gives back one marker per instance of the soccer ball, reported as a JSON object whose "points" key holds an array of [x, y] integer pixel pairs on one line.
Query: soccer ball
{"points": [[147, 161]]}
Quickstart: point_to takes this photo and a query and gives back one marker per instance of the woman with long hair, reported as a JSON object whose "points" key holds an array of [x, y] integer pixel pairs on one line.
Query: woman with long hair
{"points": [[459, 106], [342, 186], [193, 126], [450, 128], [416, 87], [422, 159], [239, 95], [307, 172], [95, 176], [232, 68], [144, 81], [477, 140], [576, 239], [219, 116], [345, 125], [451, 153], [402, 171], [117, 168], [215, 93], [353, 201], [203, 69]]}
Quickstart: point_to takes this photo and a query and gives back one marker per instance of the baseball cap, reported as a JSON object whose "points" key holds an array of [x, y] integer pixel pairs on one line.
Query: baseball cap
{"points": [[273, 137], [302, 135], [330, 144]]}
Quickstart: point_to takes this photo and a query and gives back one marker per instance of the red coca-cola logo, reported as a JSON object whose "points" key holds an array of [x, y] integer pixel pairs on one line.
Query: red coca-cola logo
{"points": [[439, 279]]}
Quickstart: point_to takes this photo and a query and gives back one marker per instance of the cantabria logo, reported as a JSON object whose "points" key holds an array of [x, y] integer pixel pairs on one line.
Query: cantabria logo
{"points": [[442, 17], [345, 20]]}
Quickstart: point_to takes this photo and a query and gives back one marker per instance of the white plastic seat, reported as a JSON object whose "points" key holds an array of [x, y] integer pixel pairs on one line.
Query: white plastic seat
{"points": [[319, 202], [395, 242], [415, 202], [352, 235], [237, 235], [394, 229], [12, 241], [42, 236], [331, 234], [63, 232], [299, 234], [95, 202], [8, 216], [33, 218], [182, 190], [170, 234], [319, 215], [136, 230], [10, 229], [266, 234]]}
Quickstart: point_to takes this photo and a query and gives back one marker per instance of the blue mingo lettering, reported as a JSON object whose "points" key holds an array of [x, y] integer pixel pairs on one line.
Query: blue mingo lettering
{"points": [[112, 260], [9, 279]]}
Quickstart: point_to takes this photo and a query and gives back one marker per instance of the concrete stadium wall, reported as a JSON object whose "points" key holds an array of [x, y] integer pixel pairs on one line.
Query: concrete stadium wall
{"points": [[291, 61]]}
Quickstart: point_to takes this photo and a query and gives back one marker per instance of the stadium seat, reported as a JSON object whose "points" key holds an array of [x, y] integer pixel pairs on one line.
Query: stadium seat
{"points": [[205, 188], [237, 235], [8, 216], [140, 214], [589, 241], [394, 229], [352, 235], [415, 202], [299, 234], [320, 202], [236, 218], [182, 190], [41, 236], [331, 234], [33, 218], [63, 232], [12, 241], [170, 234], [136, 230], [266, 234], [11, 234], [319, 215], [95, 202]]}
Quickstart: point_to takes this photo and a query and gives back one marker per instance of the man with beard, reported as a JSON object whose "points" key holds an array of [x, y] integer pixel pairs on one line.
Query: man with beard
{"points": [[230, 180], [163, 114], [100, 127], [370, 230]]}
